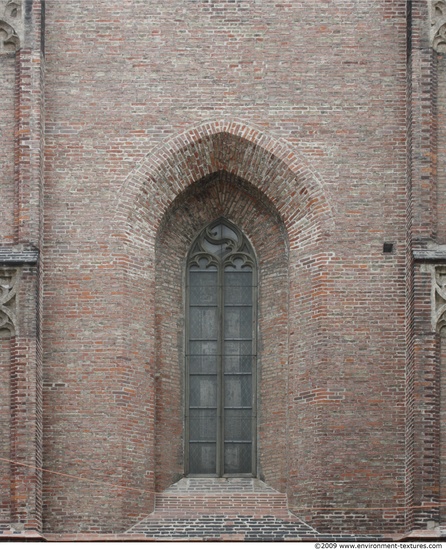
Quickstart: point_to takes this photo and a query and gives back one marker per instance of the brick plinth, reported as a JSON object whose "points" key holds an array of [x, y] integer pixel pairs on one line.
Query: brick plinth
{"points": [[224, 510]]}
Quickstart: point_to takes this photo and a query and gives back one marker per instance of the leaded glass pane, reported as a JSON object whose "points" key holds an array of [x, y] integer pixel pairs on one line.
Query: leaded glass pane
{"points": [[202, 458], [203, 347], [238, 458], [237, 364], [238, 278], [238, 288], [238, 425], [203, 358], [203, 288], [200, 278], [240, 347], [203, 391], [205, 296], [203, 425], [238, 322], [203, 364], [238, 391], [203, 323], [238, 296]]}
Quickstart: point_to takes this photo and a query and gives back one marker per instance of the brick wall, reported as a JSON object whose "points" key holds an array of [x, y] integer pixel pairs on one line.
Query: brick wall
{"points": [[123, 78]]}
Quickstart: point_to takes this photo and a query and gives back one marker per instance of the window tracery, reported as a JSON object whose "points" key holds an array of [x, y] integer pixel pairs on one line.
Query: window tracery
{"points": [[221, 353]]}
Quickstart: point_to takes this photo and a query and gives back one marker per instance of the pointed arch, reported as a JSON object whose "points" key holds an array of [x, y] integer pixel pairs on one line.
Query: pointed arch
{"points": [[271, 165], [262, 185]]}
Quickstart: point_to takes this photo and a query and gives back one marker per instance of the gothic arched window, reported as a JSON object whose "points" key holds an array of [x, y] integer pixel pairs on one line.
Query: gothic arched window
{"points": [[221, 353]]}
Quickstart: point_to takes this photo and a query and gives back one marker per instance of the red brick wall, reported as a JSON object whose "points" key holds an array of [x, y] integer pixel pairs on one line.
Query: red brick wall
{"points": [[325, 80]]}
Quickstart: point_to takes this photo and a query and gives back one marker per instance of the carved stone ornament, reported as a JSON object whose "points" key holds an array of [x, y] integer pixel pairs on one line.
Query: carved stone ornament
{"points": [[439, 299], [221, 242], [11, 25], [437, 11], [9, 282]]}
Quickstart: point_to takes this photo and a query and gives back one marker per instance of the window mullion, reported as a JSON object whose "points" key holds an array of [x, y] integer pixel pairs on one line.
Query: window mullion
{"points": [[187, 378], [220, 398], [254, 294]]}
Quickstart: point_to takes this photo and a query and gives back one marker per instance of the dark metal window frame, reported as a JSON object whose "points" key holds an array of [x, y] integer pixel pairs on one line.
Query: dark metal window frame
{"points": [[245, 249]]}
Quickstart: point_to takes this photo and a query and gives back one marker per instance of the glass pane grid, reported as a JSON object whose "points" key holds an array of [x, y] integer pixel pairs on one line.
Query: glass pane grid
{"points": [[238, 322], [239, 347], [237, 364], [203, 364], [203, 347], [238, 425], [220, 351], [209, 364], [203, 322], [202, 278], [238, 278]]}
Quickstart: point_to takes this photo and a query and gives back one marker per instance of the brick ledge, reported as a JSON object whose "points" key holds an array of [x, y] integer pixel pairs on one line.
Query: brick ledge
{"points": [[31, 536]]}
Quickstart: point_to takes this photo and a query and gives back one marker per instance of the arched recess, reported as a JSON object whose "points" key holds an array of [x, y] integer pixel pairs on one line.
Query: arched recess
{"points": [[222, 195], [180, 187]]}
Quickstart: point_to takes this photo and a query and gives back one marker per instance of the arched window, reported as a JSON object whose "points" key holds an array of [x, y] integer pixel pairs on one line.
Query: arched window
{"points": [[221, 353]]}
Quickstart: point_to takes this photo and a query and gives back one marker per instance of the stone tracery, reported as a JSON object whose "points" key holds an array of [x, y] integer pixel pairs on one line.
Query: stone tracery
{"points": [[437, 10], [11, 25], [439, 298], [9, 282]]}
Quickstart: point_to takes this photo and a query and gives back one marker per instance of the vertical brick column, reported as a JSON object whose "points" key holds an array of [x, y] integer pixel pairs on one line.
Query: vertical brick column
{"points": [[427, 233], [26, 357], [29, 129], [424, 130], [426, 403], [26, 410]]}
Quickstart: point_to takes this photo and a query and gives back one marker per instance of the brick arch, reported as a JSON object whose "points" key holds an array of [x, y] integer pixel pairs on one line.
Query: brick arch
{"points": [[271, 169], [271, 165]]}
